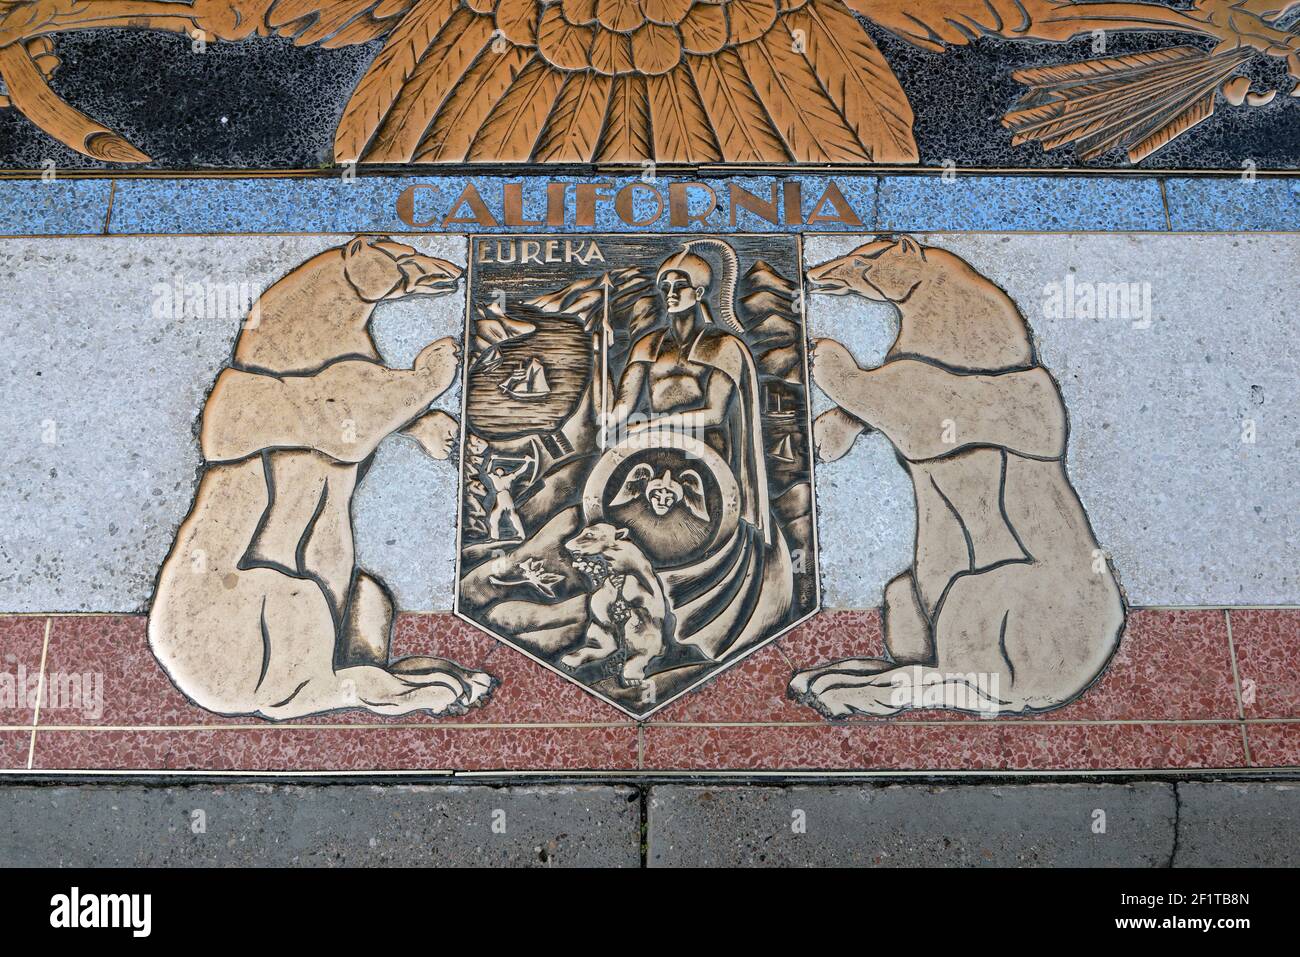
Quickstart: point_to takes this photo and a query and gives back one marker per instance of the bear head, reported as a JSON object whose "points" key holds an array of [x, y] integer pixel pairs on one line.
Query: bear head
{"points": [[380, 269], [886, 270]]}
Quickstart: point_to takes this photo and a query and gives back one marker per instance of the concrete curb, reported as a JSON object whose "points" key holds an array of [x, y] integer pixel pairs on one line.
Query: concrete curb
{"points": [[1138, 824], [339, 825]]}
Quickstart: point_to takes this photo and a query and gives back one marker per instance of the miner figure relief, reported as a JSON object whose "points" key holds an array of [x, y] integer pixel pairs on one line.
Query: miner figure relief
{"points": [[677, 538]]}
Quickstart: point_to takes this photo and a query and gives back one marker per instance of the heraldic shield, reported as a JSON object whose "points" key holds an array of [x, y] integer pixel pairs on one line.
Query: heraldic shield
{"points": [[636, 504]]}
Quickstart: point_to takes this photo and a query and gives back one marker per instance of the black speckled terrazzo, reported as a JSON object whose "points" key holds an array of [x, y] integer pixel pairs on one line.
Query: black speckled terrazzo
{"points": [[267, 104], [261, 104], [960, 95]]}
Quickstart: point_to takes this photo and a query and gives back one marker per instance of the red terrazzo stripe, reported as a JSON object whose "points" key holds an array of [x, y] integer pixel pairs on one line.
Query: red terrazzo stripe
{"points": [[1274, 745], [1170, 666], [21, 641], [959, 746], [751, 691], [114, 648], [14, 746], [136, 690], [1268, 661], [835, 634], [293, 748]]}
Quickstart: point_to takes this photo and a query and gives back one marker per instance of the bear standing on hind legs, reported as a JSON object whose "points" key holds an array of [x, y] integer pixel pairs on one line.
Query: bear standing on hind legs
{"points": [[1010, 606], [260, 608]]}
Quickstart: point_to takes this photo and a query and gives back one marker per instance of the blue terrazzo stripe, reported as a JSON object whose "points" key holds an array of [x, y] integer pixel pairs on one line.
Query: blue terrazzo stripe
{"points": [[868, 203], [1005, 203], [1225, 205], [370, 203], [37, 207], [254, 205]]}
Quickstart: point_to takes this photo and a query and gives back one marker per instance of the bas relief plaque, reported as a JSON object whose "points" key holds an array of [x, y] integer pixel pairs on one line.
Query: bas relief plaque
{"points": [[636, 497], [637, 500]]}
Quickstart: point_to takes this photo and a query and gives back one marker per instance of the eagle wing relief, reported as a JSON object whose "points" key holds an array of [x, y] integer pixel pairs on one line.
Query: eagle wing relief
{"points": [[28, 59], [679, 81], [749, 81], [1137, 102], [626, 80]]}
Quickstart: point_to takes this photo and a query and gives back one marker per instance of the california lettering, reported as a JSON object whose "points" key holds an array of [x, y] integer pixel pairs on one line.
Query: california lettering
{"points": [[638, 204]]}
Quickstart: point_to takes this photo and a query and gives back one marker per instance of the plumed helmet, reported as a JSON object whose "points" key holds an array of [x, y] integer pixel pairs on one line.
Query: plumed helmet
{"points": [[695, 268]]}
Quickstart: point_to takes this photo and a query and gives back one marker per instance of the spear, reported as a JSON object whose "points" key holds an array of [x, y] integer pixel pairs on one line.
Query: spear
{"points": [[604, 340]]}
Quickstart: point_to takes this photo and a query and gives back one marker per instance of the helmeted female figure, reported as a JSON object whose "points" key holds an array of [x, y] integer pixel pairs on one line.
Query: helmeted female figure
{"points": [[697, 377]]}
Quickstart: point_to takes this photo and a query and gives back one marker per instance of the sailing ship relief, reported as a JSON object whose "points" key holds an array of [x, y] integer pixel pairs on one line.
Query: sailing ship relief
{"points": [[636, 489], [529, 382]]}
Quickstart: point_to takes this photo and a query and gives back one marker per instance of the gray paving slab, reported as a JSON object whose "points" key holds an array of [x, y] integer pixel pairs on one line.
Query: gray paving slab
{"points": [[327, 825], [1146, 824], [1238, 825], [1128, 825]]}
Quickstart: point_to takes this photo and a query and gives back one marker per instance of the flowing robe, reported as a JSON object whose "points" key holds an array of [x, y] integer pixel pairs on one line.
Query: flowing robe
{"points": [[735, 595]]}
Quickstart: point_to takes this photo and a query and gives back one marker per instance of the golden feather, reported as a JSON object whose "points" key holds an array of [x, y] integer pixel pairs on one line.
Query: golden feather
{"points": [[517, 20], [562, 43], [317, 30], [428, 87], [626, 136], [750, 19], [680, 131], [738, 118], [361, 30], [611, 53], [573, 128], [287, 11], [621, 16], [1176, 108], [1089, 71], [931, 25], [667, 12], [655, 49], [812, 128], [459, 119], [1138, 102], [1048, 99], [1203, 109], [331, 23], [384, 78], [579, 11], [858, 79], [510, 131], [1087, 109], [704, 29], [390, 8]]}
